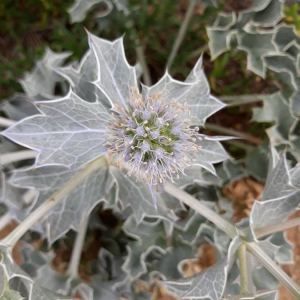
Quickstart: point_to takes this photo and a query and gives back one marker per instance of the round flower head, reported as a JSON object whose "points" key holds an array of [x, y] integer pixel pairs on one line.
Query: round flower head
{"points": [[152, 138]]}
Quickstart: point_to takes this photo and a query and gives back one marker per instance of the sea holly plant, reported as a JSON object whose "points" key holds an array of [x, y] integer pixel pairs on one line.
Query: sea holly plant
{"points": [[135, 149]]}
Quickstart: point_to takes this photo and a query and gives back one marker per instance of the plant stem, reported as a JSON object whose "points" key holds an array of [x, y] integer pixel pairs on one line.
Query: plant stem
{"points": [[241, 99], [5, 220], [233, 132], [4, 122], [78, 246], [240, 145], [198, 52], [141, 58], [210, 215], [36, 215], [8, 158], [181, 33], [275, 270], [260, 232], [243, 269]]}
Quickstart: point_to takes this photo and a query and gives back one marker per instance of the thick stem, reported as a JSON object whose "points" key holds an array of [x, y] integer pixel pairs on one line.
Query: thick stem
{"points": [[260, 232], [242, 255], [4, 122], [181, 33], [78, 246], [274, 269], [202, 209], [233, 132], [36, 215], [8, 158]]}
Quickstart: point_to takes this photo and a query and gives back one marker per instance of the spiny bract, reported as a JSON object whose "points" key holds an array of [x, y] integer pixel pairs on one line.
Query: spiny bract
{"points": [[152, 138]]}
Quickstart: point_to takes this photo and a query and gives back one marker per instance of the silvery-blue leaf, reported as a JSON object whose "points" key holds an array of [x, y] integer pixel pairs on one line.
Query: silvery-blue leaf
{"points": [[295, 104], [234, 170], [218, 41], [115, 76], [45, 294], [32, 259], [283, 63], [20, 280], [207, 284], [80, 8], [224, 21], [257, 46], [222, 241], [50, 279], [270, 15], [293, 51], [203, 177], [207, 178], [278, 184], [273, 211], [246, 15], [269, 282], [81, 78], [195, 91], [139, 197], [169, 263], [117, 288], [10, 195], [71, 132], [68, 213], [212, 152], [279, 198], [19, 107], [275, 109], [41, 81], [219, 33], [257, 162], [284, 36], [187, 230], [283, 254], [149, 236]]}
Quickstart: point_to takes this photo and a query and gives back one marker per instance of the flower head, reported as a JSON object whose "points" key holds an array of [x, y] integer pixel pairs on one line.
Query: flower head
{"points": [[152, 138]]}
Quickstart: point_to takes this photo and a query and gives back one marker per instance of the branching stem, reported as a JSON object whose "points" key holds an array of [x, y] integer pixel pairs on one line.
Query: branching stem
{"points": [[181, 33], [232, 231], [274, 269], [202, 209], [42, 210]]}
